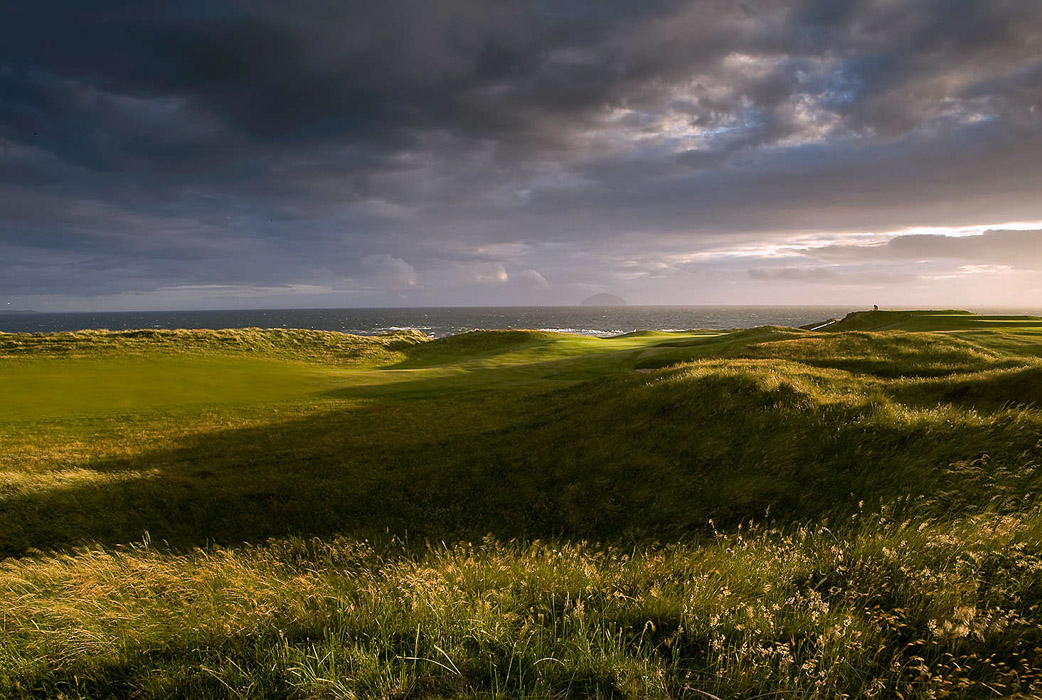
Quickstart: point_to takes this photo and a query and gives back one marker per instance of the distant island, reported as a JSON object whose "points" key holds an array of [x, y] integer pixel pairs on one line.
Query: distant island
{"points": [[17, 311], [604, 299]]}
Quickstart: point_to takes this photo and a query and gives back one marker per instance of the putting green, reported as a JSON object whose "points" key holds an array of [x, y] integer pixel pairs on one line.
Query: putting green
{"points": [[59, 387]]}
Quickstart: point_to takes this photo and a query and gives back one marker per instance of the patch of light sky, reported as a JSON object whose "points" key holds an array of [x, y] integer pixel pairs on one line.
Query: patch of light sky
{"points": [[802, 244], [671, 127]]}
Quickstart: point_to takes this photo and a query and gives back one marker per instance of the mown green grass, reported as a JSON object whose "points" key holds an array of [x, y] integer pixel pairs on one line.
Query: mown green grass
{"points": [[55, 388], [771, 512], [947, 321]]}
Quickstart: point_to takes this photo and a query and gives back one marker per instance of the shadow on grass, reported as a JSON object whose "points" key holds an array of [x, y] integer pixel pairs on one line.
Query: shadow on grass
{"points": [[619, 459]]}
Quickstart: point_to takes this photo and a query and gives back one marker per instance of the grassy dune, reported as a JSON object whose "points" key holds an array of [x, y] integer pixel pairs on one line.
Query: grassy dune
{"points": [[772, 512]]}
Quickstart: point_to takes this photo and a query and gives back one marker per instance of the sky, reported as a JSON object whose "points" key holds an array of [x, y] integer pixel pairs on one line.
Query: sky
{"points": [[269, 154]]}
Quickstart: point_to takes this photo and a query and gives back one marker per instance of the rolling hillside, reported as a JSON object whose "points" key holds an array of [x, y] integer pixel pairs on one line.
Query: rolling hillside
{"points": [[850, 511]]}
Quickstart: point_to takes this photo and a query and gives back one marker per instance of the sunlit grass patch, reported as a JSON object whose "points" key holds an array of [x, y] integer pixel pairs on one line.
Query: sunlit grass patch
{"points": [[317, 346], [53, 387], [21, 483]]}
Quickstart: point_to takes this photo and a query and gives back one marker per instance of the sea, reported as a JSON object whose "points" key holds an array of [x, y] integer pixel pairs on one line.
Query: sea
{"points": [[438, 322]]}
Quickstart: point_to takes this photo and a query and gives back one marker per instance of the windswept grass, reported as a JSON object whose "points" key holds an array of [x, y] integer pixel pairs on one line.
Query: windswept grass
{"points": [[946, 609], [762, 513], [315, 346]]}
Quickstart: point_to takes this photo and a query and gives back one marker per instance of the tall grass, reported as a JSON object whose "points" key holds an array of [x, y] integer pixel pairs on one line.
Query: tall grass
{"points": [[775, 513], [885, 608], [318, 346]]}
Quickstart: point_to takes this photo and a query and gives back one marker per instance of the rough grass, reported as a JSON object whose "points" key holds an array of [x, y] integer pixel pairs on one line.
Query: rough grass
{"points": [[888, 609], [326, 347], [776, 513]]}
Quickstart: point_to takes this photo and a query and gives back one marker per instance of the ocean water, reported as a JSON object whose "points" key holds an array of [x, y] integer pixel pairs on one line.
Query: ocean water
{"points": [[437, 322]]}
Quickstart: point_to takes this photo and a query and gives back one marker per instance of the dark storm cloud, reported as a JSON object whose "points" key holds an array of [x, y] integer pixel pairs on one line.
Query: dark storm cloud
{"points": [[146, 145]]}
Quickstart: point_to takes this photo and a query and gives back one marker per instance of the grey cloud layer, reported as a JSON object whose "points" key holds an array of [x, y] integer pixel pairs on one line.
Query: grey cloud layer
{"points": [[1019, 249], [165, 144]]}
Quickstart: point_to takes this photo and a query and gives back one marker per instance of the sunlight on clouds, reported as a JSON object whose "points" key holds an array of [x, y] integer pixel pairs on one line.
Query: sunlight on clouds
{"points": [[664, 148], [488, 273], [806, 244], [970, 230], [984, 269], [389, 271], [532, 280]]}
